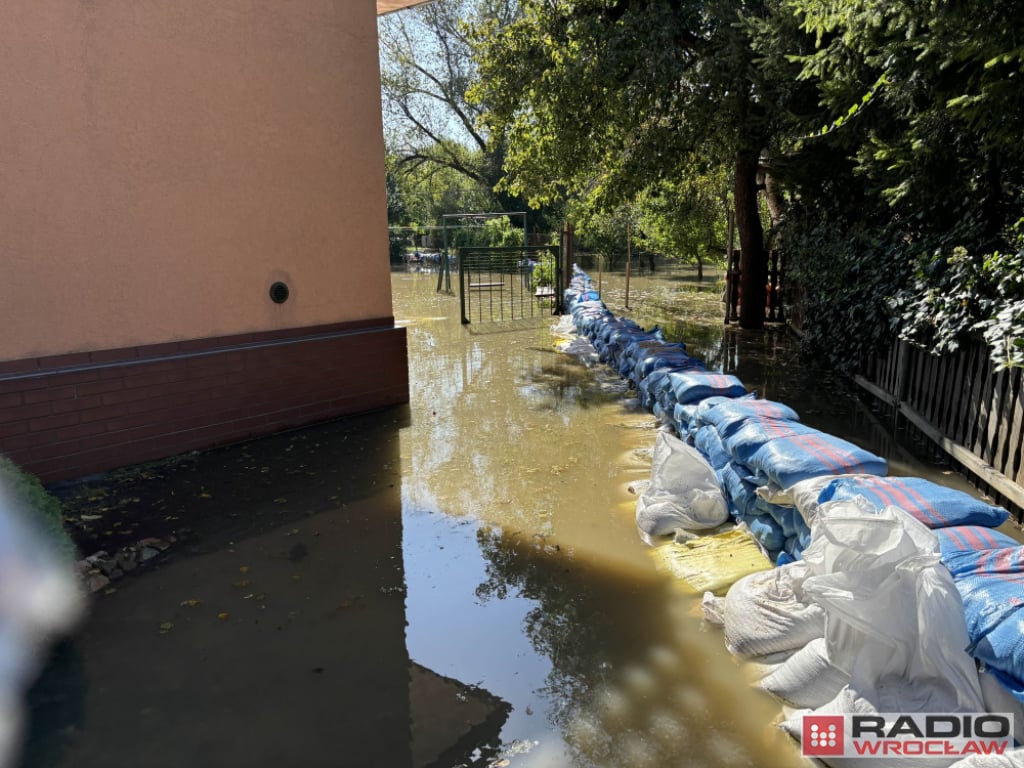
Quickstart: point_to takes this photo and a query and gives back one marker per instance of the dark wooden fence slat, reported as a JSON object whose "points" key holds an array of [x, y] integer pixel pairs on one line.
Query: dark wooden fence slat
{"points": [[965, 428], [985, 399], [1004, 448], [995, 418]]}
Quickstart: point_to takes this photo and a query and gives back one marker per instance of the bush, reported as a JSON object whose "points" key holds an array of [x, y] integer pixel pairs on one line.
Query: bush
{"points": [[43, 510]]}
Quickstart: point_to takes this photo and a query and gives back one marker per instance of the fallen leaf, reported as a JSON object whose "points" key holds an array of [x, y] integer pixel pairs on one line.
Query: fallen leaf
{"points": [[223, 615], [244, 569], [166, 627], [190, 603]]}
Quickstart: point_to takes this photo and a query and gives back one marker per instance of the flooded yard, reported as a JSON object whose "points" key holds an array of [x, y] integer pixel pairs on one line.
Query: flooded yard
{"points": [[456, 582]]}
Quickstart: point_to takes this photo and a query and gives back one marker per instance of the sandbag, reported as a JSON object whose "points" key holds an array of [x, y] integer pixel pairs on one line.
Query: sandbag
{"points": [[768, 613], [999, 698], [788, 460], [741, 493], [851, 536], [712, 563], [766, 532], [750, 435], [901, 639], [707, 441], [694, 386], [1013, 758], [729, 415], [807, 679], [934, 505], [991, 583], [965, 538], [712, 609], [684, 491]]}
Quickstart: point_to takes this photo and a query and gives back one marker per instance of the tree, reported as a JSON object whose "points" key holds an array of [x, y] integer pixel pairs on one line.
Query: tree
{"points": [[426, 68], [908, 189], [686, 219], [600, 99]]}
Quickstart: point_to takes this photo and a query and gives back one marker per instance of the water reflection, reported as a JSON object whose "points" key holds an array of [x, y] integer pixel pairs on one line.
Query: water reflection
{"points": [[525, 572]]}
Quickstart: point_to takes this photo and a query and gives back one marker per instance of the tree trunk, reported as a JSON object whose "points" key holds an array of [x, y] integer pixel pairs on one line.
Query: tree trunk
{"points": [[700, 268], [753, 264]]}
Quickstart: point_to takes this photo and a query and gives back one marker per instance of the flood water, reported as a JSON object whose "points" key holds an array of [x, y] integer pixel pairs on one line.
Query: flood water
{"points": [[456, 582]]}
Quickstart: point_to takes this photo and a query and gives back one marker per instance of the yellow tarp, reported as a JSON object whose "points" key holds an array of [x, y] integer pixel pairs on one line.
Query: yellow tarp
{"points": [[712, 563]]}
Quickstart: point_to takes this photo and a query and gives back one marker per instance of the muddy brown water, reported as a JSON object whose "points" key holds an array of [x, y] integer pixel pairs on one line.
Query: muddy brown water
{"points": [[456, 582]]}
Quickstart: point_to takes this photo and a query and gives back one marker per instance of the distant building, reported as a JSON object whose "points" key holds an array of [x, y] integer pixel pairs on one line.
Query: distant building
{"points": [[190, 191]]}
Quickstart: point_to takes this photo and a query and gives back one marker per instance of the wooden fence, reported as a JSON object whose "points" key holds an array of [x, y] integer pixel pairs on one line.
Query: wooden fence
{"points": [[971, 411]]}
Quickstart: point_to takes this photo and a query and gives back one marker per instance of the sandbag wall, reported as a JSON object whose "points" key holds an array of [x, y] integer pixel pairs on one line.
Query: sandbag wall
{"points": [[795, 487]]}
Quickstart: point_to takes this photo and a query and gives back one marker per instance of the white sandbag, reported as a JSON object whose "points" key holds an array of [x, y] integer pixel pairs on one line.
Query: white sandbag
{"points": [[712, 609], [684, 491], [768, 613], [755, 670], [1011, 759], [807, 679], [853, 536], [901, 641], [998, 698]]}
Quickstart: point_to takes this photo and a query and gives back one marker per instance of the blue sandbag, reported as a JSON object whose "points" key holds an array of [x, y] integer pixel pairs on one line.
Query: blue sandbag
{"points": [[647, 389], [644, 366], [789, 518], [749, 435], [784, 558], [684, 415], [694, 386], [934, 505], [991, 583], [766, 532], [729, 415], [788, 460], [966, 538], [707, 441], [707, 406], [743, 495]]}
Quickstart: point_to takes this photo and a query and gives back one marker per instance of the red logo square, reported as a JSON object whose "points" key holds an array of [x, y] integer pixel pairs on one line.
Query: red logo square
{"points": [[822, 735]]}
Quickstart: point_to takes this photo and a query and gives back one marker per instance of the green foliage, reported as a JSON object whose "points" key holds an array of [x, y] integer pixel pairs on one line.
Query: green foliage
{"points": [[686, 219], [605, 234], [954, 296], [843, 269], [545, 271], [42, 510]]}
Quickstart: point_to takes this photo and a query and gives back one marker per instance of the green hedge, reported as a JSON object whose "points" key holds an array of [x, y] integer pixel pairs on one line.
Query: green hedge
{"points": [[43, 509]]}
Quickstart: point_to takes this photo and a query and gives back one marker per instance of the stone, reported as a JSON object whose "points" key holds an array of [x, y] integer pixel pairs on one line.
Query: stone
{"points": [[96, 581]]}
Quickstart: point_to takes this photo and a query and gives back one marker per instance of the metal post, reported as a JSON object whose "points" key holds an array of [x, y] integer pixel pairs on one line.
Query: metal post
{"points": [[629, 257], [444, 260]]}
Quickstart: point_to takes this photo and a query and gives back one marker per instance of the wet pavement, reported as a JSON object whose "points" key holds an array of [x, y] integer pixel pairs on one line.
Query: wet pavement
{"points": [[455, 582]]}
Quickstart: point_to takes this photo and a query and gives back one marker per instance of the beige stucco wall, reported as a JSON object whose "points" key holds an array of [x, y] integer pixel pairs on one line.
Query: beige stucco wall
{"points": [[162, 162]]}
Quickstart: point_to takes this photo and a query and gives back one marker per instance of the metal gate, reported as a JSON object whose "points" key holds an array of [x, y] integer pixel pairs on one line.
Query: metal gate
{"points": [[501, 284]]}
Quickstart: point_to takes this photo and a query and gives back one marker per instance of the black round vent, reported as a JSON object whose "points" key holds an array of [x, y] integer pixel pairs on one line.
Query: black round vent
{"points": [[279, 293]]}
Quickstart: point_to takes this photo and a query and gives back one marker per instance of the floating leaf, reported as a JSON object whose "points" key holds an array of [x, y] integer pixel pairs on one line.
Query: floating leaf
{"points": [[190, 603], [223, 615]]}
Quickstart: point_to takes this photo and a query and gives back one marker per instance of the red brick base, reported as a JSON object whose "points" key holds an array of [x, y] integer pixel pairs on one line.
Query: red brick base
{"points": [[72, 415]]}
